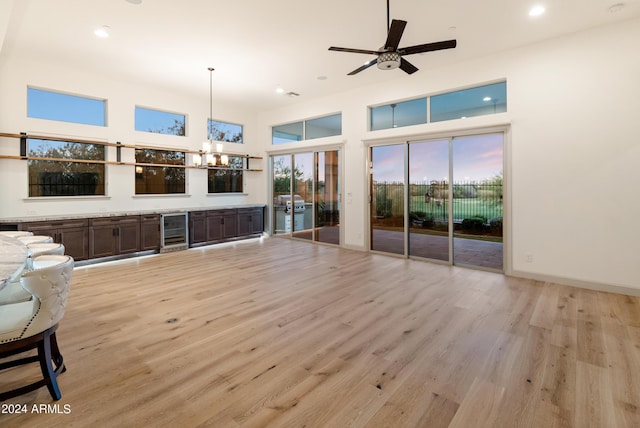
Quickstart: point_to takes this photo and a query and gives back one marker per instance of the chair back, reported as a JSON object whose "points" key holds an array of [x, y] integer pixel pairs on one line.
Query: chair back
{"points": [[26, 240], [15, 233], [38, 249], [49, 286]]}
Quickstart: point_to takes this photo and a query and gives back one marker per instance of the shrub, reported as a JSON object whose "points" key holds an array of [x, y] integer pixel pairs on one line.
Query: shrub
{"points": [[495, 224], [417, 215], [473, 224]]}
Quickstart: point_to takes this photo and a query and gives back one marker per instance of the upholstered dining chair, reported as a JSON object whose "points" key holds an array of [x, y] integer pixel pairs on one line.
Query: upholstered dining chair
{"points": [[13, 292], [38, 249], [33, 324], [15, 233]]}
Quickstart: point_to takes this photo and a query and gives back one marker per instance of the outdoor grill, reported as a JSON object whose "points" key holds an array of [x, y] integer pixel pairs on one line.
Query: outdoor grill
{"points": [[298, 203]]}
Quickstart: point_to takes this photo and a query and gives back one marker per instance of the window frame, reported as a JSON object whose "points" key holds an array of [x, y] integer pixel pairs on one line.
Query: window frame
{"points": [[66, 169], [160, 131], [304, 136], [209, 127], [226, 174], [143, 169], [393, 107], [429, 107], [482, 89], [101, 119]]}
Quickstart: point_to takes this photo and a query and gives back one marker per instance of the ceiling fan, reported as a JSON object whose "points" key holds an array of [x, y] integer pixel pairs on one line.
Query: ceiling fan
{"points": [[390, 56]]}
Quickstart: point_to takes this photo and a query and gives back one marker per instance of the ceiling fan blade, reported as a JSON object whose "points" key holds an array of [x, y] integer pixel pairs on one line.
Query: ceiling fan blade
{"points": [[407, 67], [395, 34], [428, 47], [364, 67], [362, 51]]}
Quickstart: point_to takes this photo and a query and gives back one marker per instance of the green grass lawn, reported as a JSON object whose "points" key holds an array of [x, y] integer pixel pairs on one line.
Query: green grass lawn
{"points": [[462, 208]]}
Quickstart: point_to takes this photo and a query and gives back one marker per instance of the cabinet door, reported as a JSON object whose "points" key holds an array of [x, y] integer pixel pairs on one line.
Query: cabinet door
{"points": [[215, 227], [250, 221], [128, 236], [244, 222], [230, 226], [75, 241], [197, 227], [257, 221], [102, 242], [150, 232]]}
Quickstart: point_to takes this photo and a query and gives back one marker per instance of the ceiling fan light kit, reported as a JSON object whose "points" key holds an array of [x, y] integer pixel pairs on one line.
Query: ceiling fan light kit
{"points": [[388, 61]]}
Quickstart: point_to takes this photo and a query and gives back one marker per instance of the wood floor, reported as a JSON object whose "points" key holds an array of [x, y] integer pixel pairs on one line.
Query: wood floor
{"points": [[283, 333]]}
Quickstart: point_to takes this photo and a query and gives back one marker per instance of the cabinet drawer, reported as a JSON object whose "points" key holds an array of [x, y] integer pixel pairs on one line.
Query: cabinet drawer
{"points": [[222, 212], [59, 224], [150, 217], [115, 221], [250, 210]]}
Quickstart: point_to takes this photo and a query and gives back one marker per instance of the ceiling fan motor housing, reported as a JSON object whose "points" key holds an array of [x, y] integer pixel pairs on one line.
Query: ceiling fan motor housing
{"points": [[388, 60]]}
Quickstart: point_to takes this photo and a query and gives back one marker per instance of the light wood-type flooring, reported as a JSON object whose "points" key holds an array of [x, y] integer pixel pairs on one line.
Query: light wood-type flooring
{"points": [[282, 333]]}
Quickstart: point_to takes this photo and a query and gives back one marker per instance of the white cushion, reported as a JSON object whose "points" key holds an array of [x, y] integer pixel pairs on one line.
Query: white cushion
{"points": [[14, 319]]}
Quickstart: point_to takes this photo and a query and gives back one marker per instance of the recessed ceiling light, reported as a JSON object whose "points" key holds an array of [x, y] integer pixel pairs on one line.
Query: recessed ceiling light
{"points": [[486, 99], [280, 90], [102, 32], [536, 10], [134, 1], [322, 77]]}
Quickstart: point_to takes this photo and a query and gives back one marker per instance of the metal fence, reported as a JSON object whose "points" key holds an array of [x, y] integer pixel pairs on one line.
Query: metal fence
{"points": [[60, 184], [430, 201]]}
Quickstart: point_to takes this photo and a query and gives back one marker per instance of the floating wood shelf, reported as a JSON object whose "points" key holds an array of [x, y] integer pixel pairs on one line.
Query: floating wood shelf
{"points": [[118, 145]]}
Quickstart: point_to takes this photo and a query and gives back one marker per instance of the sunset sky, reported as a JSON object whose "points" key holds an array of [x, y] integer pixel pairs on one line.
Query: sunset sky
{"points": [[475, 158]]}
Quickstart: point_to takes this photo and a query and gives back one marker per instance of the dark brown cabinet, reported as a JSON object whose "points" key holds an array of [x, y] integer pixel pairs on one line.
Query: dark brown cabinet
{"points": [[149, 232], [111, 236], [92, 238], [250, 221], [221, 224], [197, 227], [72, 233]]}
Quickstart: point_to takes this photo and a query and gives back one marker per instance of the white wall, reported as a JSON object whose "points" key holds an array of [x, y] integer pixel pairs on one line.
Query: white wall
{"points": [[574, 146], [16, 73]]}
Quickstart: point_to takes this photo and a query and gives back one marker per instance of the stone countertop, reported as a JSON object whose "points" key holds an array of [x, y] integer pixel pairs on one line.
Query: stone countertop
{"points": [[122, 213]]}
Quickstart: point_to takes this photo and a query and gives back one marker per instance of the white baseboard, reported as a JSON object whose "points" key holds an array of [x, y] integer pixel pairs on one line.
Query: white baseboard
{"points": [[597, 286]]}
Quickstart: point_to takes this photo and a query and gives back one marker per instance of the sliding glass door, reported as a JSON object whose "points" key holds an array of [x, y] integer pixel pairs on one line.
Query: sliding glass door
{"points": [[387, 192], [429, 200], [452, 206], [302, 196], [477, 200], [306, 196], [327, 197]]}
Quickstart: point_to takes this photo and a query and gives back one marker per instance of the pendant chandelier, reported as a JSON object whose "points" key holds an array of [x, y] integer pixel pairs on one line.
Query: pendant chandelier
{"points": [[207, 157]]}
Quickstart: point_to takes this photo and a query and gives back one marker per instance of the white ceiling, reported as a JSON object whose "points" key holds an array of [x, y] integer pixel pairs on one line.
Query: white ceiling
{"points": [[257, 45]]}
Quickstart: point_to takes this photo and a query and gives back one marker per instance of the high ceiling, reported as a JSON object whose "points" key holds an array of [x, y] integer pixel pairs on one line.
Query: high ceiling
{"points": [[256, 46]]}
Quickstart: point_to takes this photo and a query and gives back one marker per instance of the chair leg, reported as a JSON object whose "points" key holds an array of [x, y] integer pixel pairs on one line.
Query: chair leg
{"points": [[49, 374], [57, 356]]}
